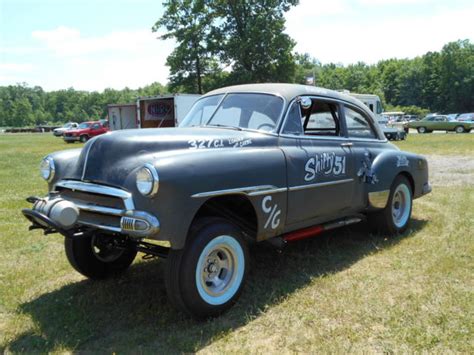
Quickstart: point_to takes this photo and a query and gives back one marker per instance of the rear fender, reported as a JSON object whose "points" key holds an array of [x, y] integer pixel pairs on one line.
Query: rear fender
{"points": [[386, 167]]}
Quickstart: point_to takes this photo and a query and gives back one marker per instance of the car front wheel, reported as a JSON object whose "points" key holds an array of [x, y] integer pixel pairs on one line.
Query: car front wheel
{"points": [[395, 217], [206, 277], [97, 256], [421, 130], [83, 138]]}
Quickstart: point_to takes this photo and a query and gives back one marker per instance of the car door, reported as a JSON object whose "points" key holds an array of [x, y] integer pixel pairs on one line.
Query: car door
{"points": [[96, 129], [320, 167], [441, 123], [366, 146]]}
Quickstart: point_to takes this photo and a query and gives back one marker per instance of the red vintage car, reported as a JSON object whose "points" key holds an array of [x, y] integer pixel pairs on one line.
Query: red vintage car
{"points": [[85, 131]]}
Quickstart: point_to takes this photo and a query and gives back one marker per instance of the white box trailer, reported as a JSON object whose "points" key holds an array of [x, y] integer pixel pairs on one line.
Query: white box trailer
{"points": [[151, 112], [122, 116]]}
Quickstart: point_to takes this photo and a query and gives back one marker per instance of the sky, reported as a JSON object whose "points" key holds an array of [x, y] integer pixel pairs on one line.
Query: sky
{"points": [[98, 44]]}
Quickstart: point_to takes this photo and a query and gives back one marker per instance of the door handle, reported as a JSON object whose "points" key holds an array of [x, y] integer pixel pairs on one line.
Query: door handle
{"points": [[348, 144]]}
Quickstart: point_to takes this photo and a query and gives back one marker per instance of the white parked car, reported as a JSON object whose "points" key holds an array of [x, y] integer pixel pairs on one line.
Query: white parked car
{"points": [[58, 132]]}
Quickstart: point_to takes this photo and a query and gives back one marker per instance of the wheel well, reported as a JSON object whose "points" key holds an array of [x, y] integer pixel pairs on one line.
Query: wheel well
{"points": [[410, 180], [236, 208]]}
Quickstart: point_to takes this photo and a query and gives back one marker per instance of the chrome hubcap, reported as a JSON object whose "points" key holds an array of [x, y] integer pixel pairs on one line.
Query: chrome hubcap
{"points": [[401, 204], [220, 270]]}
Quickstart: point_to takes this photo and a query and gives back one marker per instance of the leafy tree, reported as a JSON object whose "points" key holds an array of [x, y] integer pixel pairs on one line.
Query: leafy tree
{"points": [[252, 41], [456, 78], [243, 36], [189, 23], [305, 66]]}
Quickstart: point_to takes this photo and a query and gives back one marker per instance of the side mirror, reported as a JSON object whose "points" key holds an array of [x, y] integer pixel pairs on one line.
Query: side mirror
{"points": [[305, 102]]}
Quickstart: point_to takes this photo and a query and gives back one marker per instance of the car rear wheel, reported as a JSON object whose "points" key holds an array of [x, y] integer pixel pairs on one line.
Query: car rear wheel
{"points": [[459, 129], [395, 217], [97, 256], [422, 130], [205, 278], [83, 138]]}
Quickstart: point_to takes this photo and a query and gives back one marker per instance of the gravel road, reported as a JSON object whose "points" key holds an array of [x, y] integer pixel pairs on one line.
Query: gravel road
{"points": [[451, 170]]}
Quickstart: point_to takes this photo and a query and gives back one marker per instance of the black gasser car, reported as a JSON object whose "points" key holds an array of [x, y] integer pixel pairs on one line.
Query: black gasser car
{"points": [[249, 163]]}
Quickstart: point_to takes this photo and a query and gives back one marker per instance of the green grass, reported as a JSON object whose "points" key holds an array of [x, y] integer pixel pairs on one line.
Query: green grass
{"points": [[439, 143], [343, 291]]}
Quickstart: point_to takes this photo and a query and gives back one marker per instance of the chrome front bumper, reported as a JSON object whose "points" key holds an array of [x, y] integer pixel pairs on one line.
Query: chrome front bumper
{"points": [[126, 220]]}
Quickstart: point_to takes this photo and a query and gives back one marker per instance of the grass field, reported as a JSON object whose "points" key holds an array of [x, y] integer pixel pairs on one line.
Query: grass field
{"points": [[344, 291]]}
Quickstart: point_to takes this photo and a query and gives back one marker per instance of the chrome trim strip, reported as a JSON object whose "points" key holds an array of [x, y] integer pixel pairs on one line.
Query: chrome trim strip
{"points": [[99, 209], [249, 190], [100, 226], [85, 160], [98, 189], [379, 199], [270, 191], [319, 184]]}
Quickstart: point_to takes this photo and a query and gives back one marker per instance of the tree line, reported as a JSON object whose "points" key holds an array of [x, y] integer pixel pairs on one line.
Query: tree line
{"points": [[22, 106], [228, 42]]}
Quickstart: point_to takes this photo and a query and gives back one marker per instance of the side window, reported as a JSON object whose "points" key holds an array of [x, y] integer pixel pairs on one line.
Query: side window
{"points": [[293, 124], [379, 107], [358, 125], [96, 126], [322, 120]]}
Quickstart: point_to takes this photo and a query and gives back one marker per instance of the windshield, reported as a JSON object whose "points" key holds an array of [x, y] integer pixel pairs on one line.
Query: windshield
{"points": [[248, 111], [201, 111], [84, 125]]}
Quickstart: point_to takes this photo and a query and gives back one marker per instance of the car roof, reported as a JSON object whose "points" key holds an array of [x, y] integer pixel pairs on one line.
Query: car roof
{"points": [[287, 91]]}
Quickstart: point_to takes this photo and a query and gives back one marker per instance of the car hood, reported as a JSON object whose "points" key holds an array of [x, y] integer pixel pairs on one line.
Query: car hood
{"points": [[111, 157]]}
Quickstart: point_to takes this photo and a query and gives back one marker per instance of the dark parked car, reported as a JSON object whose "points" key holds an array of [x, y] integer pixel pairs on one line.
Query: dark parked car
{"points": [[250, 163], [85, 131]]}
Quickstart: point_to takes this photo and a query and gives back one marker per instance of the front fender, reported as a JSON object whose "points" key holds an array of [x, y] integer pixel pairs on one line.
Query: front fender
{"points": [[188, 179], [65, 164]]}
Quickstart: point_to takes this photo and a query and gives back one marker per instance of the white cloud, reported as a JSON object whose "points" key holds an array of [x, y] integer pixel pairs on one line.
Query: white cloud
{"points": [[117, 59], [391, 2], [345, 38], [64, 41], [15, 67]]}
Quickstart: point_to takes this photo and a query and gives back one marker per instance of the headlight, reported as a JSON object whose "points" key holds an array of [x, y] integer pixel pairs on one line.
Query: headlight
{"points": [[47, 168], [147, 180]]}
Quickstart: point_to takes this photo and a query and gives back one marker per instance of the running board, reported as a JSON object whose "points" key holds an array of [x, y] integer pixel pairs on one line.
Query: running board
{"points": [[313, 231]]}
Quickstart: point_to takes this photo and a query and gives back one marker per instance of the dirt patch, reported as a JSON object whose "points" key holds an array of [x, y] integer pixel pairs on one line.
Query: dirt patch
{"points": [[451, 170]]}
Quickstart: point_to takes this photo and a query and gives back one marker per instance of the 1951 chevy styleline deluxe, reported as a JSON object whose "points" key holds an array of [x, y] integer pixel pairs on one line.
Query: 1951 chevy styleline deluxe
{"points": [[249, 163]]}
